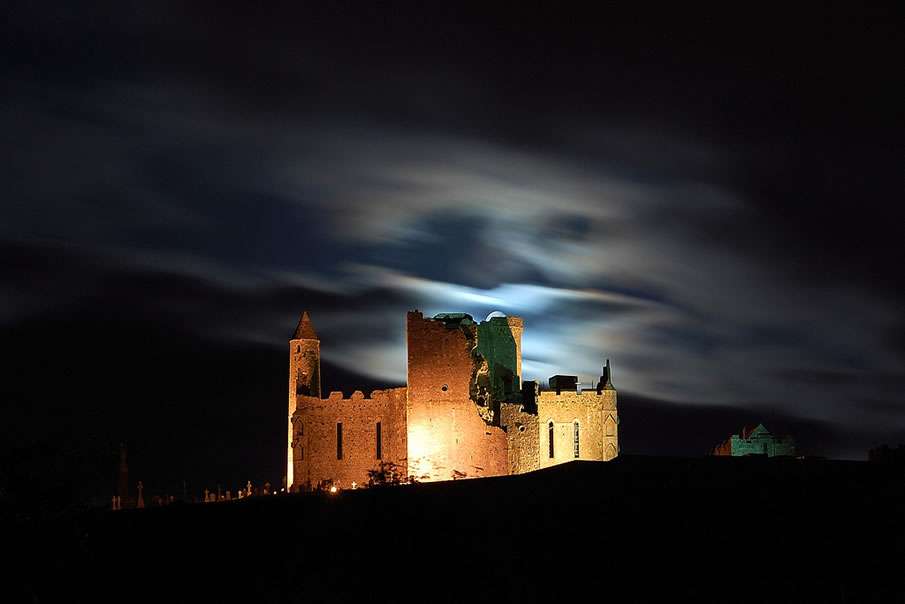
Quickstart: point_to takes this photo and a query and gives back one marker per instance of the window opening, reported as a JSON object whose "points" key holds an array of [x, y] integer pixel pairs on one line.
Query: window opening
{"points": [[379, 448], [575, 439], [550, 431]]}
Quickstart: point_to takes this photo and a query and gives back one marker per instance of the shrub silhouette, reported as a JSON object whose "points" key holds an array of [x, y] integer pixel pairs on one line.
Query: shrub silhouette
{"points": [[386, 473]]}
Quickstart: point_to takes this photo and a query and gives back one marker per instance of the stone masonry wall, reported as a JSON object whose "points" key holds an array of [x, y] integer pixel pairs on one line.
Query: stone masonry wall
{"points": [[315, 425], [448, 437], [522, 438], [597, 420]]}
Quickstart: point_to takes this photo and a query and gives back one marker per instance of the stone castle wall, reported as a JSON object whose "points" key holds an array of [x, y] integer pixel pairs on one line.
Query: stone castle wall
{"points": [[316, 438], [598, 426], [449, 436], [522, 437]]}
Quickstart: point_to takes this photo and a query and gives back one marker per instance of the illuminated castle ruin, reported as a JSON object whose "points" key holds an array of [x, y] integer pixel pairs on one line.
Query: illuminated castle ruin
{"points": [[756, 440], [464, 413]]}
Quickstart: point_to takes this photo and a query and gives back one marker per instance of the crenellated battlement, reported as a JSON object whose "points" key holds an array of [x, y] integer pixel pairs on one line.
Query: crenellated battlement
{"points": [[339, 396]]}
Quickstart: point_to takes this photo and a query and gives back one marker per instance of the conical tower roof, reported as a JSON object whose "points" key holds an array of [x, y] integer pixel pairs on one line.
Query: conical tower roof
{"points": [[305, 331]]}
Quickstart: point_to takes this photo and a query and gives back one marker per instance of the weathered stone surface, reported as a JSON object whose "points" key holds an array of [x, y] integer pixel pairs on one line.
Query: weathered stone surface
{"points": [[316, 440], [597, 420]]}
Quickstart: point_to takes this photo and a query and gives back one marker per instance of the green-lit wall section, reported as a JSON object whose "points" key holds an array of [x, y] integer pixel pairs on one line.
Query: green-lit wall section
{"points": [[756, 441]]}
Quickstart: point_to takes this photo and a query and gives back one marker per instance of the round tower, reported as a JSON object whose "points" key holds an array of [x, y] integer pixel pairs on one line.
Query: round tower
{"points": [[517, 325], [304, 377]]}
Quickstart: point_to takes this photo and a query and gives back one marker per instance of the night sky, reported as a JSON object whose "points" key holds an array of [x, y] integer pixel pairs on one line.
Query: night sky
{"points": [[719, 212]]}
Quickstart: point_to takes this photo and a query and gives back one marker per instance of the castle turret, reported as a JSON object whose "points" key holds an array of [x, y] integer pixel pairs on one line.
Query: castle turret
{"points": [[606, 380], [304, 377], [517, 326], [607, 393]]}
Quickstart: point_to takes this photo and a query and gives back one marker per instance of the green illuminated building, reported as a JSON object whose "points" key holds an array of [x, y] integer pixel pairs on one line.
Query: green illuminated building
{"points": [[756, 441]]}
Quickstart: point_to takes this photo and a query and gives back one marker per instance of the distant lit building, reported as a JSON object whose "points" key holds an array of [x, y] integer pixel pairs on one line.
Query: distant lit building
{"points": [[756, 440]]}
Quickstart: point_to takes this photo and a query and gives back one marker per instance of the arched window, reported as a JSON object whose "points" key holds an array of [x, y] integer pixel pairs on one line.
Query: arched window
{"points": [[575, 439], [550, 432]]}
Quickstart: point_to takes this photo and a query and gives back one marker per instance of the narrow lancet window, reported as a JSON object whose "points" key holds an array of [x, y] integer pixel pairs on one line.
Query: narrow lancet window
{"points": [[575, 439], [339, 440], [550, 431], [379, 443]]}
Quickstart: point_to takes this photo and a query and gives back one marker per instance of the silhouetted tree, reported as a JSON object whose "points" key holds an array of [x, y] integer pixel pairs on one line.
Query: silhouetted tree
{"points": [[386, 473]]}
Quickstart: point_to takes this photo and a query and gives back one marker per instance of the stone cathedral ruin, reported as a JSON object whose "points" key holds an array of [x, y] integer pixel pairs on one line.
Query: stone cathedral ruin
{"points": [[465, 411]]}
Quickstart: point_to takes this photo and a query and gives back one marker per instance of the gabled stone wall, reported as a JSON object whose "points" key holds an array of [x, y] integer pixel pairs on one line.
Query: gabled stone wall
{"points": [[598, 426]]}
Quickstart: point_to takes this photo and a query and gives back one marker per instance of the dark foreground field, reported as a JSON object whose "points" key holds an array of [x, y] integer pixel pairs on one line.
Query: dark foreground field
{"points": [[632, 530]]}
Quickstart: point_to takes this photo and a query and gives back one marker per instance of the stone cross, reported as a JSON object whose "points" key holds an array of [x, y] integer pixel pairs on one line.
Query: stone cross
{"points": [[141, 501], [114, 502], [248, 488], [207, 495]]}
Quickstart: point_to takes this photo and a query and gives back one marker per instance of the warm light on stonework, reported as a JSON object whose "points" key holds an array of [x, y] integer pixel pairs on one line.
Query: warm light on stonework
{"points": [[419, 450], [465, 411]]}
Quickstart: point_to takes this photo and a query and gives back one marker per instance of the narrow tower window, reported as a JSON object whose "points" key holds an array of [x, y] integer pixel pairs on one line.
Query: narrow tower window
{"points": [[339, 440], [550, 431], [575, 439], [379, 448]]}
